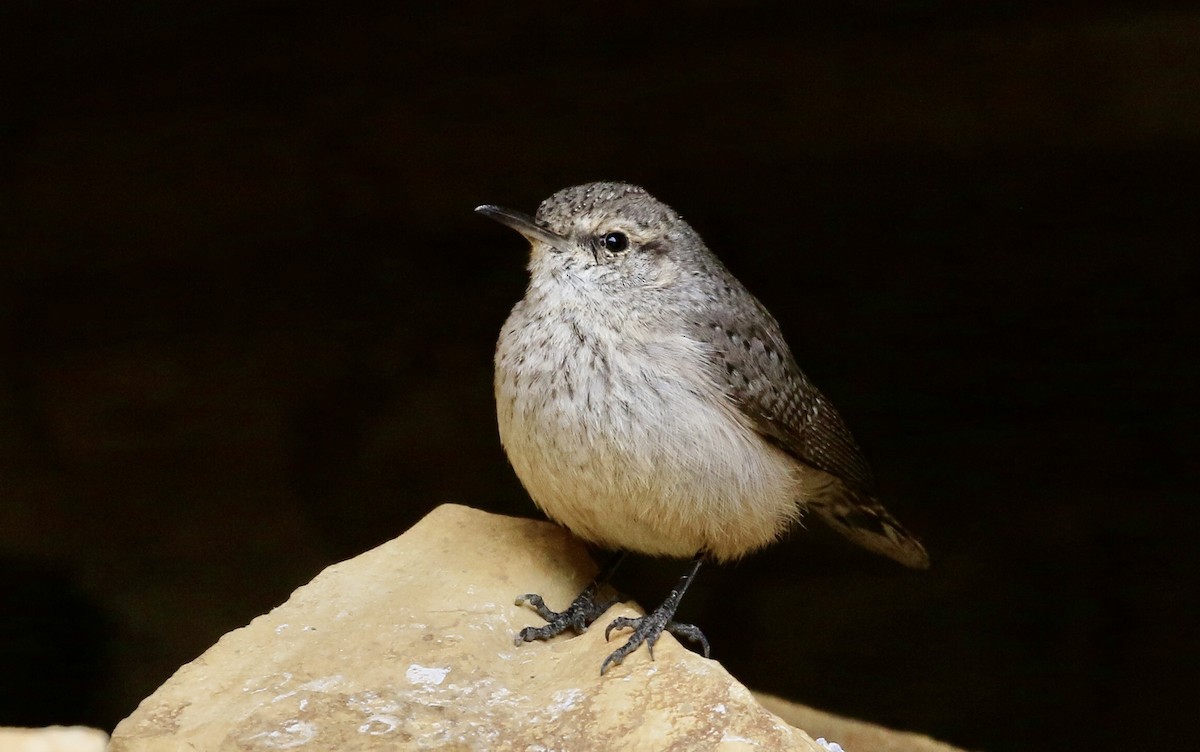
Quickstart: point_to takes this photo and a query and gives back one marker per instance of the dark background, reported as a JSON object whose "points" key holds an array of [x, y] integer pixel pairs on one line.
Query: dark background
{"points": [[247, 320]]}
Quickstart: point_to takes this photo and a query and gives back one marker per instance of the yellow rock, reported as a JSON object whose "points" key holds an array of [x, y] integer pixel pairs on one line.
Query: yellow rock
{"points": [[410, 646], [52, 739]]}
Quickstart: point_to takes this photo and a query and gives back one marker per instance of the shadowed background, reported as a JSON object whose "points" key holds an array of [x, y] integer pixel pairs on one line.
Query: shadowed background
{"points": [[247, 320]]}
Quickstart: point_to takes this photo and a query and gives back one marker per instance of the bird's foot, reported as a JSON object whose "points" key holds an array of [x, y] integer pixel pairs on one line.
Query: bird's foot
{"points": [[647, 629], [577, 617]]}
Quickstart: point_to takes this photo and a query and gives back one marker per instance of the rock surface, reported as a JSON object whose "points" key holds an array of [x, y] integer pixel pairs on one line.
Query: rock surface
{"points": [[52, 739], [853, 735], [410, 645]]}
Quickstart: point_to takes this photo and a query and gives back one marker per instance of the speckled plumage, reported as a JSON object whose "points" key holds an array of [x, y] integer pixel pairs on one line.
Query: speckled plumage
{"points": [[649, 403]]}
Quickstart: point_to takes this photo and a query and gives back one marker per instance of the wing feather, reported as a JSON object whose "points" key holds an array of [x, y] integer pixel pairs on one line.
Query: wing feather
{"points": [[760, 375]]}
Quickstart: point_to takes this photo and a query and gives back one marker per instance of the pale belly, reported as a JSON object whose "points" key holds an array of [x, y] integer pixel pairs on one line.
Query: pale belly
{"points": [[635, 449]]}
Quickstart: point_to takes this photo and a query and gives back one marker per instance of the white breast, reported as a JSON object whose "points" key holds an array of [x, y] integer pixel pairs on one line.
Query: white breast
{"points": [[619, 433]]}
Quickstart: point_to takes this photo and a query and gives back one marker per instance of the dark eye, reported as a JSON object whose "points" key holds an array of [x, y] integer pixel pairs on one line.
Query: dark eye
{"points": [[615, 242]]}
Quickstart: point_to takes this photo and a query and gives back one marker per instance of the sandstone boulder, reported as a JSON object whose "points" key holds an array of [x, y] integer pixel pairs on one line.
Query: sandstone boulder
{"points": [[410, 646], [52, 739]]}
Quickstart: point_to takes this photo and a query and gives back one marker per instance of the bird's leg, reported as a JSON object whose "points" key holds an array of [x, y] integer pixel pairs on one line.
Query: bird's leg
{"points": [[579, 615], [648, 628]]}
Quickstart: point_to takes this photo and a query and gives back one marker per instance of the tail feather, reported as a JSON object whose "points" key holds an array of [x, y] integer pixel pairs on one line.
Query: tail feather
{"points": [[863, 520]]}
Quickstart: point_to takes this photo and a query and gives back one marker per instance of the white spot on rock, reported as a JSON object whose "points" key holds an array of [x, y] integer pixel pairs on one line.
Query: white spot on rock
{"points": [[564, 699], [294, 733], [327, 684], [426, 675], [264, 683], [378, 725]]}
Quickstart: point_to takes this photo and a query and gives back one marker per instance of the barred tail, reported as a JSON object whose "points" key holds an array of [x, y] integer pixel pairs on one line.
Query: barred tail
{"points": [[863, 520]]}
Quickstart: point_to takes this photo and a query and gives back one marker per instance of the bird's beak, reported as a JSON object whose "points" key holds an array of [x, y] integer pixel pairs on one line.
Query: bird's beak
{"points": [[522, 223]]}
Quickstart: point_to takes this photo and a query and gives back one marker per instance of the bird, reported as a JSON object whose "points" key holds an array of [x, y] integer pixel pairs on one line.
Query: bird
{"points": [[649, 403]]}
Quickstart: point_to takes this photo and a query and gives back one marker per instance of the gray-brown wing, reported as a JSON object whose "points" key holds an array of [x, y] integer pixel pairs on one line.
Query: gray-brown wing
{"points": [[758, 372], [771, 390]]}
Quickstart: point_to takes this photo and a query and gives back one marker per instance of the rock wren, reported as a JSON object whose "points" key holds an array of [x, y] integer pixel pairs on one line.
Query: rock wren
{"points": [[649, 403]]}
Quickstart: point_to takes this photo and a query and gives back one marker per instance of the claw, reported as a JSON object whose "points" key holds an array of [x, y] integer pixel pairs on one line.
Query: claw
{"points": [[647, 629], [691, 633], [577, 617], [621, 622], [585, 609]]}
